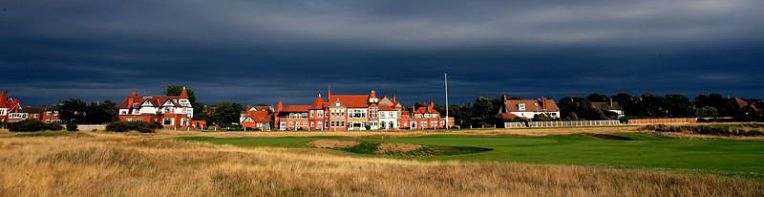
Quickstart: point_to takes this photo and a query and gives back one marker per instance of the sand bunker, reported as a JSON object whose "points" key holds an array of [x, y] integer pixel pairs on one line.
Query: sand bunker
{"points": [[396, 147], [333, 143]]}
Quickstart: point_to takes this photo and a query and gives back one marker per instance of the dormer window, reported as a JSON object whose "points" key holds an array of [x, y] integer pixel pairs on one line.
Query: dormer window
{"points": [[521, 106]]}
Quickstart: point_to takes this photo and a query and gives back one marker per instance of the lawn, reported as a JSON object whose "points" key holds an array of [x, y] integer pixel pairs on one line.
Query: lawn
{"points": [[714, 156]]}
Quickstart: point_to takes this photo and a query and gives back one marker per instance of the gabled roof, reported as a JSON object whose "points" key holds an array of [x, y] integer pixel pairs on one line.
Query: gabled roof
{"points": [[8, 102], [609, 105], [319, 103], [259, 116], [135, 101], [352, 101], [531, 105], [430, 109], [295, 108], [35, 110]]}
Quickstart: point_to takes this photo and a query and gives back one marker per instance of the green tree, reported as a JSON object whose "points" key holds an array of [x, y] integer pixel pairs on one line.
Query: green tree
{"points": [[101, 112], [175, 90], [654, 106], [708, 111], [73, 110], [679, 106], [227, 113], [595, 97], [724, 106], [632, 106], [485, 111], [581, 107]]}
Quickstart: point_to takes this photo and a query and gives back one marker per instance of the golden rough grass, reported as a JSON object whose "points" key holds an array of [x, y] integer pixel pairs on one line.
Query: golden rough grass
{"points": [[126, 165], [397, 147], [332, 143]]}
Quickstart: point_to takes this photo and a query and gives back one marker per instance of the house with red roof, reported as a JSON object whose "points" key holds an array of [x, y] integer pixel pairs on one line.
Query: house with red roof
{"points": [[169, 111], [256, 117], [291, 117], [10, 108], [356, 112], [46, 114], [529, 108], [429, 118]]}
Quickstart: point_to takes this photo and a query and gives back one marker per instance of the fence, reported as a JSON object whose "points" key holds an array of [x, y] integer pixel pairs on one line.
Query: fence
{"points": [[580, 123], [91, 127], [662, 120], [515, 125]]}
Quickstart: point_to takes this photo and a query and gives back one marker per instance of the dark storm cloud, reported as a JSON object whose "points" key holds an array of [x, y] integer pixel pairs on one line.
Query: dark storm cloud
{"points": [[259, 51]]}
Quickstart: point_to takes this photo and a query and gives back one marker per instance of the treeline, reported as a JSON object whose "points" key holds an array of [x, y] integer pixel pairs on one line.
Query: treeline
{"points": [[484, 111]]}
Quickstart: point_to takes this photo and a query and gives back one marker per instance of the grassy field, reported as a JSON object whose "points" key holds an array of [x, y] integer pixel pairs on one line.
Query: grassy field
{"points": [[737, 158], [268, 164]]}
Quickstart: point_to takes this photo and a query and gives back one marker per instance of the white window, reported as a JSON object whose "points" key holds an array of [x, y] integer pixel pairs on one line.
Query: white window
{"points": [[2, 111], [521, 106]]}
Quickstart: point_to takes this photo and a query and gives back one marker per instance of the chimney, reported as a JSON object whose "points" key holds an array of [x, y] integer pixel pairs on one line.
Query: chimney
{"points": [[504, 98], [279, 106], [184, 93], [131, 98], [329, 94], [373, 94], [611, 102]]}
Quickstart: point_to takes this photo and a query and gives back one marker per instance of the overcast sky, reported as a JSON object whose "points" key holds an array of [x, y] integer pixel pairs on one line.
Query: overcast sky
{"points": [[259, 51]]}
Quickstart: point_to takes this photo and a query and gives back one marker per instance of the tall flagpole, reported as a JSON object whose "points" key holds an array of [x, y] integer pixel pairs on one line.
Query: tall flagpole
{"points": [[445, 77]]}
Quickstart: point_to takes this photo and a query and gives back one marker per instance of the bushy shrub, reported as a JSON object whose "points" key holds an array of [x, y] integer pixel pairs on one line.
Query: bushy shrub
{"points": [[54, 127], [142, 127], [32, 126], [724, 130], [26, 126], [71, 126]]}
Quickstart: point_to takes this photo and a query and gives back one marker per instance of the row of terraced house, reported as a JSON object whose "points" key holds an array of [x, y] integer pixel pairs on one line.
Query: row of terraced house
{"points": [[330, 113], [345, 113]]}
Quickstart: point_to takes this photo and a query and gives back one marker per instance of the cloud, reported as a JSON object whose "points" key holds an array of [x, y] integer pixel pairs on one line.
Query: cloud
{"points": [[260, 51]]}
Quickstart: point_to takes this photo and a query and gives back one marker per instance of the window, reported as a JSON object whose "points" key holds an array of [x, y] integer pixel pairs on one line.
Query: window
{"points": [[521, 106], [167, 121]]}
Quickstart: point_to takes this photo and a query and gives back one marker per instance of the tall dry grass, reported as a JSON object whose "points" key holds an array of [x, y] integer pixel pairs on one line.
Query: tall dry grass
{"points": [[121, 165]]}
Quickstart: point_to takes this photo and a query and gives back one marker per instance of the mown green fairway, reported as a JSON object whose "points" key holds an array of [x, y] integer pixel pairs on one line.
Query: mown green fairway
{"points": [[723, 157]]}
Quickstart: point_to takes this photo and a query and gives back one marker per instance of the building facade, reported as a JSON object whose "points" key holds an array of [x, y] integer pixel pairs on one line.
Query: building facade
{"points": [[529, 108], [169, 111], [46, 114], [10, 108], [352, 113], [256, 117]]}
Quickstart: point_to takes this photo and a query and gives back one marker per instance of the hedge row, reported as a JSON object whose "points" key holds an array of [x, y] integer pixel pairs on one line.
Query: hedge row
{"points": [[33, 125], [725, 130], [142, 127]]}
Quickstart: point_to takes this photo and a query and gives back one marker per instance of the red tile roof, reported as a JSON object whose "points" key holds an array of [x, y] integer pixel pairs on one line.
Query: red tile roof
{"points": [[135, 101], [537, 105], [8, 102], [319, 103], [295, 108], [259, 116], [352, 101]]}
